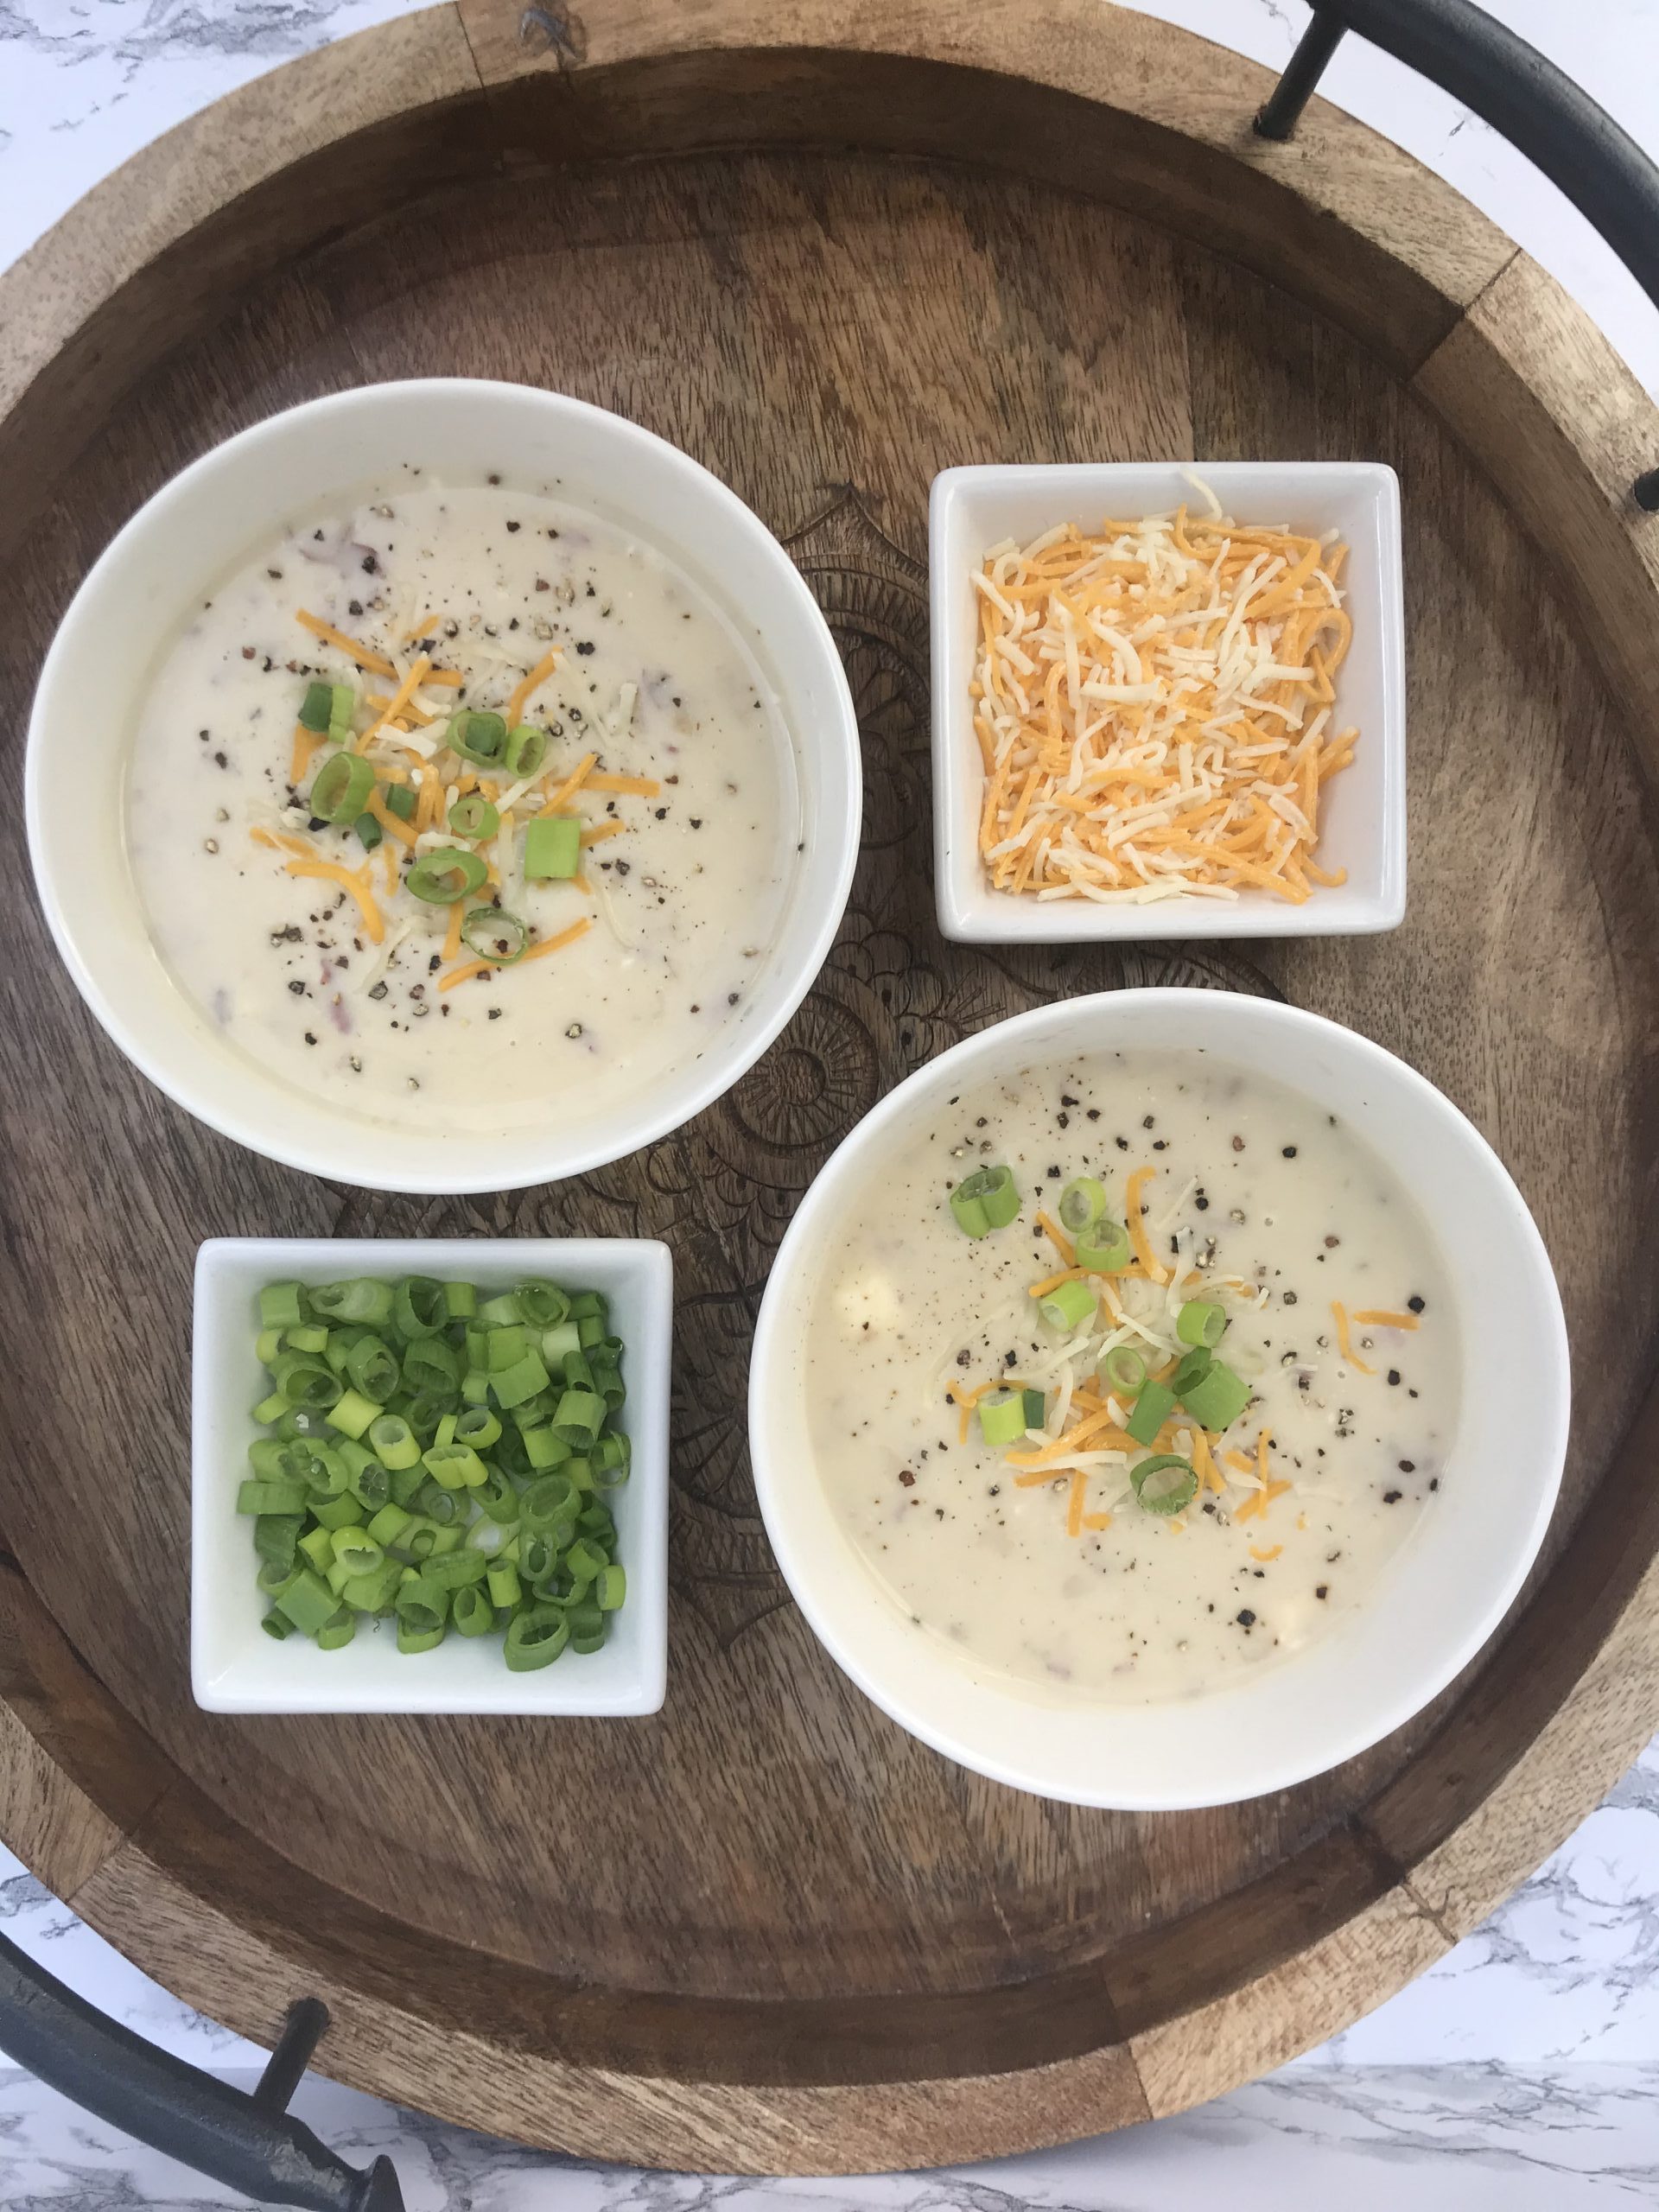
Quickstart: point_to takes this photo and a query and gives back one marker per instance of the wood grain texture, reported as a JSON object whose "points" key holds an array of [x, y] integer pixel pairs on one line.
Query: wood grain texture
{"points": [[1098, 99], [808, 1943]]}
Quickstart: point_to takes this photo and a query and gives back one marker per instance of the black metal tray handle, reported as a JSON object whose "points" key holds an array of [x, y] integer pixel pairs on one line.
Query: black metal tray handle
{"points": [[251, 2142]]}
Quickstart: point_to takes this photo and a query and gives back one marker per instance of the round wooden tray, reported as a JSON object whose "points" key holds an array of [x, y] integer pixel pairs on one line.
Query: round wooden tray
{"points": [[767, 1930]]}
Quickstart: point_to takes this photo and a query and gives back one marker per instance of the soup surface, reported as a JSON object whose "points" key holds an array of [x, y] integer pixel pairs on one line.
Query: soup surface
{"points": [[687, 806], [1035, 1558]]}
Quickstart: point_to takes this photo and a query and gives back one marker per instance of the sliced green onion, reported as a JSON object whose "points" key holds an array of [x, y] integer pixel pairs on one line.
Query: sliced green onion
{"points": [[544, 1449], [1082, 1202], [356, 1550], [307, 1601], [496, 1498], [318, 1549], [541, 1306], [308, 1336], [985, 1200], [478, 1426], [342, 707], [392, 1442], [526, 1378], [584, 1564], [525, 751], [502, 1584], [278, 1625], [579, 1417], [368, 832], [280, 1306], [400, 799], [342, 789], [445, 875], [271, 1408], [373, 1593], [1068, 1306], [418, 1306], [461, 1301], [431, 1369], [442, 1507], [343, 1512], [271, 1497], [535, 1637], [474, 817], [363, 1299], [338, 1630], [371, 1486], [1153, 1407], [477, 737], [495, 935], [1201, 1321], [1002, 1416], [353, 1413], [610, 1589], [317, 708], [276, 1538], [1166, 1484], [455, 1465], [504, 1347], [412, 1639], [389, 1524], [552, 847], [1219, 1398], [559, 1341], [305, 1380], [1104, 1249], [451, 1570], [1123, 1370], [372, 1366], [471, 1612], [1193, 1368]]}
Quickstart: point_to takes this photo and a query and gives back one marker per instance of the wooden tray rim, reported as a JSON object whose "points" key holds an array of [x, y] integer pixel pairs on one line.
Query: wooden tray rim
{"points": [[75, 1798]]}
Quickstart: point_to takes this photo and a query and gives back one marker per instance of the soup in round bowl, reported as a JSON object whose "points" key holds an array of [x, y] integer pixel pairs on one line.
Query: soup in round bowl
{"points": [[1151, 1457], [463, 787]]}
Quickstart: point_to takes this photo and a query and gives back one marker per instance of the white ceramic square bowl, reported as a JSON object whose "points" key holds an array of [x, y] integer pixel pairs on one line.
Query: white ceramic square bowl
{"points": [[1364, 829], [236, 1668]]}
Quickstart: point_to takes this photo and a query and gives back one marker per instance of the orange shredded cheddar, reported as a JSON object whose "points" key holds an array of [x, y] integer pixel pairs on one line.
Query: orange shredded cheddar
{"points": [[354, 648], [407, 686], [1136, 1227], [514, 708], [305, 742], [534, 952], [572, 784], [282, 841], [452, 934], [605, 829], [1271, 1552], [429, 624], [448, 677], [1052, 1283], [1074, 1503], [1057, 1237], [1343, 1345], [331, 872], [1381, 1318], [393, 824], [636, 786], [1094, 1521], [1152, 710]]}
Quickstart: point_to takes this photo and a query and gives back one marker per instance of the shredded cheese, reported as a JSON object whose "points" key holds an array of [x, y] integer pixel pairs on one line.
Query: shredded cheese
{"points": [[1137, 1227], [1379, 1317], [636, 787], [521, 691], [354, 648], [1152, 709], [1343, 1343], [1057, 1237], [331, 872], [572, 784]]}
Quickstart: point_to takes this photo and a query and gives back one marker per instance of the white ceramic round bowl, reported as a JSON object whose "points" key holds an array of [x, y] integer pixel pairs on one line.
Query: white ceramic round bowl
{"points": [[214, 515], [1443, 1594]]}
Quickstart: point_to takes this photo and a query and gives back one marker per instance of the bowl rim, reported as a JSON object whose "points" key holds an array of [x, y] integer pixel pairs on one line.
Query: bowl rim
{"points": [[261, 1129], [970, 914], [221, 1265], [807, 1578]]}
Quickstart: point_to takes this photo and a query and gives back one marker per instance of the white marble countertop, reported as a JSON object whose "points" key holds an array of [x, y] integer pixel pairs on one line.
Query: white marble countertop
{"points": [[1520, 2075]]}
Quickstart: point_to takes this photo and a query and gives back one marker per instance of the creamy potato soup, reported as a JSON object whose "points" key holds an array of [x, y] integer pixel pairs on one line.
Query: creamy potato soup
{"points": [[458, 806], [1032, 1476]]}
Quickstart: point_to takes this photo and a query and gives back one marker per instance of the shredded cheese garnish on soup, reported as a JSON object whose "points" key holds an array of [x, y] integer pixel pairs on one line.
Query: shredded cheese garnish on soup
{"points": [[1155, 709]]}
